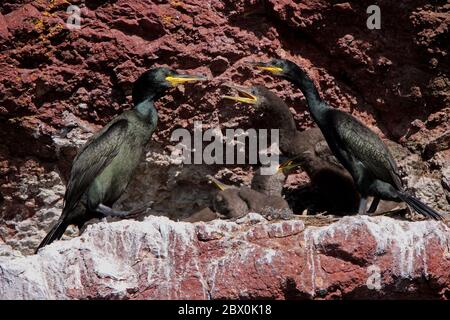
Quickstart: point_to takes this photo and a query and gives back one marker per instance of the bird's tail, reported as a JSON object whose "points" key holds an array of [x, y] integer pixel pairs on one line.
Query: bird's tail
{"points": [[55, 233], [419, 206]]}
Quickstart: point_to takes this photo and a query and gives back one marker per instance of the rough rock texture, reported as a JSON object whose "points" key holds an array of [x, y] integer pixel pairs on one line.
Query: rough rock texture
{"points": [[57, 86], [357, 257]]}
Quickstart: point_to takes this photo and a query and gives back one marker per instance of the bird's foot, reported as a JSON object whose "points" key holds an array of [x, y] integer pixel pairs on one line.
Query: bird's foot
{"points": [[362, 206], [387, 213], [374, 205], [106, 211], [140, 210]]}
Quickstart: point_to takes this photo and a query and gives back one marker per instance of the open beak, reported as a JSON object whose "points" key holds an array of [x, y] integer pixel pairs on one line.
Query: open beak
{"points": [[244, 95], [266, 66], [178, 79], [288, 165], [219, 185]]}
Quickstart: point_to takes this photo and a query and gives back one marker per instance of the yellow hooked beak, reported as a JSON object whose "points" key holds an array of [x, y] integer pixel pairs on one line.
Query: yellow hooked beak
{"points": [[274, 70], [268, 67], [244, 96], [178, 79], [287, 165], [219, 185]]}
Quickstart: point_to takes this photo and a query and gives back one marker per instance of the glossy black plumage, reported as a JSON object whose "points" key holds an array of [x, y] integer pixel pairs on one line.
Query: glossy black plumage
{"points": [[332, 188], [104, 166], [358, 148]]}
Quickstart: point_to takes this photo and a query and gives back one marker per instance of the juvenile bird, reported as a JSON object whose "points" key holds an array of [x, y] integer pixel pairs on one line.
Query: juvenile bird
{"points": [[332, 186], [233, 202]]}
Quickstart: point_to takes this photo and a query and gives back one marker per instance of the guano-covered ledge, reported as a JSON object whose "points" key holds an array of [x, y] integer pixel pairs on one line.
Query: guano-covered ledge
{"points": [[355, 257]]}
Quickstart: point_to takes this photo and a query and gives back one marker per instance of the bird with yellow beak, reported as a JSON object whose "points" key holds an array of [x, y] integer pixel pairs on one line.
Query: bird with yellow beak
{"points": [[104, 166], [357, 147], [306, 149]]}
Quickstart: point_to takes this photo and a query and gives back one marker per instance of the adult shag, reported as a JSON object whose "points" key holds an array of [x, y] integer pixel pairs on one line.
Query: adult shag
{"points": [[359, 149], [105, 165], [330, 182]]}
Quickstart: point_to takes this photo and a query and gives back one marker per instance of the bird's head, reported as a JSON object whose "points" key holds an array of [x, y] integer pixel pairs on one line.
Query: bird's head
{"points": [[286, 166], [258, 96], [155, 82], [279, 67], [219, 185], [249, 95], [227, 202]]}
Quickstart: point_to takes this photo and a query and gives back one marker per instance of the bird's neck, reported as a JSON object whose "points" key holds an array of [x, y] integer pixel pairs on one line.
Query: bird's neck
{"points": [[147, 111], [316, 105], [281, 117]]}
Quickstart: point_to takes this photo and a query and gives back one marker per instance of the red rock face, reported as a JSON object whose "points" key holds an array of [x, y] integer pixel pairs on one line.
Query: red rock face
{"points": [[58, 86], [357, 257]]}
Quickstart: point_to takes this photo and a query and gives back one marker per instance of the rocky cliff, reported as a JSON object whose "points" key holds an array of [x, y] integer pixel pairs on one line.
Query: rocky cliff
{"points": [[355, 258], [58, 85]]}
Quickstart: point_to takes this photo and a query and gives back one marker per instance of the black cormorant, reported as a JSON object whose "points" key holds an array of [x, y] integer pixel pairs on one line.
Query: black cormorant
{"points": [[104, 166], [359, 149], [331, 184]]}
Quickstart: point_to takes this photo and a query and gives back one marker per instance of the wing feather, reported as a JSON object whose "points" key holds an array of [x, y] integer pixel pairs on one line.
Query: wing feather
{"points": [[366, 146], [92, 158]]}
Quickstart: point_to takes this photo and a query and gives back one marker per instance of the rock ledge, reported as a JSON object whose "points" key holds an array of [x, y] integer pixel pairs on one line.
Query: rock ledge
{"points": [[356, 257]]}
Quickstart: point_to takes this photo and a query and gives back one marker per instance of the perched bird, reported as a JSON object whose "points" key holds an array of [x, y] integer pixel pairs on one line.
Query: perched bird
{"points": [[270, 185], [330, 181], [232, 202], [359, 149], [105, 165], [227, 203]]}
